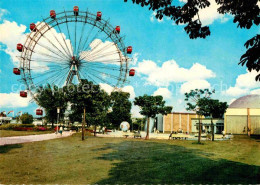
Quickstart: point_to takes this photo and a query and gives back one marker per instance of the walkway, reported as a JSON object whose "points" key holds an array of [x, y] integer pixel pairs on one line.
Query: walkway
{"points": [[31, 138]]}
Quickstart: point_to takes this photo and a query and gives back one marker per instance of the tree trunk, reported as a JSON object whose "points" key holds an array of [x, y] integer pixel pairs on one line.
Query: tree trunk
{"points": [[199, 129], [147, 128], [212, 130], [83, 125], [95, 131]]}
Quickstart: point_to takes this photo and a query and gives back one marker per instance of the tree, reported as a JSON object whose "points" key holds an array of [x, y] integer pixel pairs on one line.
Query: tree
{"points": [[89, 98], [212, 108], [139, 123], [50, 98], [26, 118], [151, 106], [193, 99], [245, 13], [121, 108]]}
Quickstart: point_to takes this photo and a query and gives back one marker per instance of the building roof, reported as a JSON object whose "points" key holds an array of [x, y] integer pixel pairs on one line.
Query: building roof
{"points": [[249, 101]]}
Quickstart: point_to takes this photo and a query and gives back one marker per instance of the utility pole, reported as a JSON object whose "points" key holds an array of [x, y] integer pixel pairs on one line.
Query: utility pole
{"points": [[199, 129], [212, 129], [83, 125]]}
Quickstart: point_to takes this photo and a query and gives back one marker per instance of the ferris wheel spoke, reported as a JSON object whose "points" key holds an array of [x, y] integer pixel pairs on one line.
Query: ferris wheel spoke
{"points": [[69, 32], [106, 74], [94, 38], [103, 67], [48, 72], [81, 35], [69, 53], [86, 76], [102, 49], [57, 62], [102, 79], [104, 55], [57, 72], [49, 49], [59, 77], [50, 29], [86, 40], [47, 55]]}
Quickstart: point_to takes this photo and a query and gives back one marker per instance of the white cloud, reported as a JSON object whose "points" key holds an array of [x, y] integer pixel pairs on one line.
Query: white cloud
{"points": [[13, 100], [134, 59], [210, 14], [194, 84], [153, 18], [109, 89], [256, 91], [2, 13], [236, 91], [136, 112], [171, 72], [244, 84], [163, 92]]}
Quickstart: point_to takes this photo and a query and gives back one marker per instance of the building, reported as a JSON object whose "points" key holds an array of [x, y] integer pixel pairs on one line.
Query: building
{"points": [[206, 125], [243, 116]]}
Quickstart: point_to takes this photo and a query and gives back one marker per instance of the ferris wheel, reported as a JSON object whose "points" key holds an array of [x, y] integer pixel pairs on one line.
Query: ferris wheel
{"points": [[69, 46]]}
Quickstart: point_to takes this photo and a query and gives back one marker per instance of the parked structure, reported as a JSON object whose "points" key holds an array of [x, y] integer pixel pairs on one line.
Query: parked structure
{"points": [[243, 116]]}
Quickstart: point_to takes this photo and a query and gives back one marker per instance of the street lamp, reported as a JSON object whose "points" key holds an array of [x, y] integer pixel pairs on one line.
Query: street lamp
{"points": [[58, 112]]}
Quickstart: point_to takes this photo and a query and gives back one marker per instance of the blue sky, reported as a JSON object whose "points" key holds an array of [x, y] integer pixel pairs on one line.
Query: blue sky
{"points": [[167, 62]]}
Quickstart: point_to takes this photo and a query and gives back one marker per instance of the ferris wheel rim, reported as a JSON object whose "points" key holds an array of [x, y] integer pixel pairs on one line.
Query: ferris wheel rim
{"points": [[102, 25]]}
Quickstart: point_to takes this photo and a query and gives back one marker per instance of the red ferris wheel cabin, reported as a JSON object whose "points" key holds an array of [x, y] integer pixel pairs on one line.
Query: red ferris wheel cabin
{"points": [[39, 112], [99, 15], [16, 71], [129, 49], [53, 14], [76, 10], [19, 47], [118, 29], [23, 94], [131, 72], [33, 27]]}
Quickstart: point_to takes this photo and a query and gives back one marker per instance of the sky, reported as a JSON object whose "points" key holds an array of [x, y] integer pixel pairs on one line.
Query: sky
{"points": [[166, 61]]}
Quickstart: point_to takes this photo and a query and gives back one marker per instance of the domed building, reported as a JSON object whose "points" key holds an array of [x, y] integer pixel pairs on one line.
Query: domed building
{"points": [[243, 116]]}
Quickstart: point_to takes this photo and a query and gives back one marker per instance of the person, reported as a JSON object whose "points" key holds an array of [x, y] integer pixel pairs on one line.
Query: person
{"points": [[60, 131]]}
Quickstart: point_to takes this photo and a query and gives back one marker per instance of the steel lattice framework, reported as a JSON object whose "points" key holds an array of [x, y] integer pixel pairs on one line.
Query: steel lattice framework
{"points": [[66, 60]]}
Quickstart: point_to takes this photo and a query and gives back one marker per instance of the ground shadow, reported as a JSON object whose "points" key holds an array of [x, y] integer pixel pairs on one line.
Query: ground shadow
{"points": [[155, 163], [7, 148]]}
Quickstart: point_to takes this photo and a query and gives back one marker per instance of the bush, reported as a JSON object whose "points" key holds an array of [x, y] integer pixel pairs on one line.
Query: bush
{"points": [[26, 118], [17, 127]]}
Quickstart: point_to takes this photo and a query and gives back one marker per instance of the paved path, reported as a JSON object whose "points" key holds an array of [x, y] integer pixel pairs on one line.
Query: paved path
{"points": [[31, 138]]}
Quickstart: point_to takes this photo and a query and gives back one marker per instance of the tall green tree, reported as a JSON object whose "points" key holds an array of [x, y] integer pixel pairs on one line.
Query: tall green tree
{"points": [[193, 99], [151, 106], [245, 13], [121, 108], [26, 118], [89, 97], [212, 108], [50, 98]]}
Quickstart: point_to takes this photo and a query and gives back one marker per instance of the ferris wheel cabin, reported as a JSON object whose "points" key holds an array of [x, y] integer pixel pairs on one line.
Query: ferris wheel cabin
{"points": [[99, 14], [23, 94], [39, 112], [129, 49], [131, 72], [16, 71], [19, 47], [53, 14], [117, 29], [76, 10], [33, 27]]}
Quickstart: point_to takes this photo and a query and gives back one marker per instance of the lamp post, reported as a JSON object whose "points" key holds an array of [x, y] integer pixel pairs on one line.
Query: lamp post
{"points": [[83, 125], [58, 112]]}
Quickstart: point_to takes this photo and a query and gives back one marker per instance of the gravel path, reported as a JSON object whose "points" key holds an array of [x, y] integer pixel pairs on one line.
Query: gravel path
{"points": [[31, 138]]}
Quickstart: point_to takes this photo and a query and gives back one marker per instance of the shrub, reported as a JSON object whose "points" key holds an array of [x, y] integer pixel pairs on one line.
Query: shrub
{"points": [[17, 127], [26, 118]]}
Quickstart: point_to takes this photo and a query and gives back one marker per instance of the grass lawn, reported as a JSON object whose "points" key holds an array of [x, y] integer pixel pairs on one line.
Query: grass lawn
{"points": [[130, 161], [7, 133]]}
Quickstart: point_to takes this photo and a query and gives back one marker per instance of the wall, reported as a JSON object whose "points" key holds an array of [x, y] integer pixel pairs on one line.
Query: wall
{"points": [[218, 122], [175, 121]]}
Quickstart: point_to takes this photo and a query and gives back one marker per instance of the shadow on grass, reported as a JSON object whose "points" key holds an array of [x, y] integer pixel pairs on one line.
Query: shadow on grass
{"points": [[154, 163], [7, 148]]}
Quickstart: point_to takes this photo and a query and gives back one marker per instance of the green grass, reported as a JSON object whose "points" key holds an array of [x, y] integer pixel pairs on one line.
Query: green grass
{"points": [[128, 161], [8, 133]]}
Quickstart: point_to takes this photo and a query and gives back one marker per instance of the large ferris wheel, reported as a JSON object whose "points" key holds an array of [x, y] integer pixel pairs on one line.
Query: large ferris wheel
{"points": [[69, 46]]}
